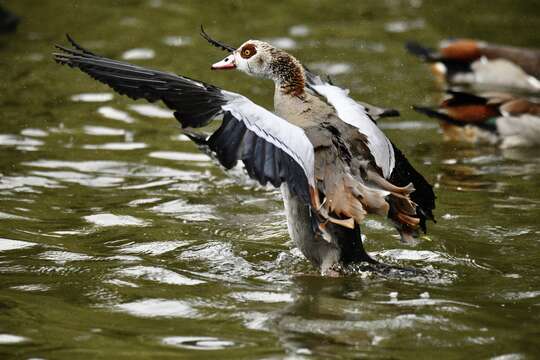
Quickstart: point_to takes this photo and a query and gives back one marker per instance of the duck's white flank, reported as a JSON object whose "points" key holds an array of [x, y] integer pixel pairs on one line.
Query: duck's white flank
{"points": [[355, 114], [522, 130]]}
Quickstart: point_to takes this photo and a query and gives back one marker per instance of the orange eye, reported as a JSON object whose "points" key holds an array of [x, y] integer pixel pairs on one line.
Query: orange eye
{"points": [[248, 51]]}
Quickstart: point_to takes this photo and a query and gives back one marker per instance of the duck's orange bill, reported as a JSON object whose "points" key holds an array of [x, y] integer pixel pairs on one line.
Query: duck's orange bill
{"points": [[225, 64]]}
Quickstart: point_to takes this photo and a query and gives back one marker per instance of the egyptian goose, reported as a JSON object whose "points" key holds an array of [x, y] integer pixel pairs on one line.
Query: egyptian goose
{"points": [[481, 64], [333, 164], [501, 118]]}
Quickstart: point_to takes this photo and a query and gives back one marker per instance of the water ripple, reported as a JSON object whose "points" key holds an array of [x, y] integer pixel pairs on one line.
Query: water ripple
{"points": [[219, 258], [81, 179], [8, 244], [139, 54], [197, 342], [177, 41], [405, 321], [116, 168], [63, 256], [332, 68], [299, 30], [152, 111], [115, 114], [6, 339], [262, 296], [93, 97], [149, 308], [103, 131], [18, 182], [425, 302], [179, 156], [105, 220], [117, 146], [158, 274], [181, 209], [152, 248], [34, 132], [284, 43], [148, 185], [17, 140], [31, 287]]}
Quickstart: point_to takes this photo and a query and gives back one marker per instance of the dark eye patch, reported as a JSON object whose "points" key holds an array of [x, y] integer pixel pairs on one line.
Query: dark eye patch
{"points": [[248, 51]]}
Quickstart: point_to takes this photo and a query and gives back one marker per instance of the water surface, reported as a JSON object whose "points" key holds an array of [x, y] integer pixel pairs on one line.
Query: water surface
{"points": [[118, 239]]}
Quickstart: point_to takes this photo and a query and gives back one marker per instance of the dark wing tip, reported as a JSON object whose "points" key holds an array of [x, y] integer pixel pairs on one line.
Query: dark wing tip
{"points": [[78, 47], [420, 51], [431, 112], [216, 43], [464, 98], [390, 113], [197, 138]]}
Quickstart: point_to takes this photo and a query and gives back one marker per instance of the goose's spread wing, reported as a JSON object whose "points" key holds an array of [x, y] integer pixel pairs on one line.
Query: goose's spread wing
{"points": [[356, 115], [374, 112], [388, 157], [272, 149]]}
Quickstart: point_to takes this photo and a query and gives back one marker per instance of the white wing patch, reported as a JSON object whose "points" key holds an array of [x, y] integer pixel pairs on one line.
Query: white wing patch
{"points": [[355, 114], [286, 136]]}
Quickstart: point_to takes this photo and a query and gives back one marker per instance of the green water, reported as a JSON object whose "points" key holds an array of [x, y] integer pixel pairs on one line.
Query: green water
{"points": [[119, 241]]}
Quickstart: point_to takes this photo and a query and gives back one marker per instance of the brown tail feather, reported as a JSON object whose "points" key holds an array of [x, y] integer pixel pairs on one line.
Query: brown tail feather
{"points": [[348, 199]]}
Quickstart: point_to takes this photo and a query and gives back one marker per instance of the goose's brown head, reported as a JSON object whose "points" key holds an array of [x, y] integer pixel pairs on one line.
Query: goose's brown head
{"points": [[253, 57], [260, 59]]}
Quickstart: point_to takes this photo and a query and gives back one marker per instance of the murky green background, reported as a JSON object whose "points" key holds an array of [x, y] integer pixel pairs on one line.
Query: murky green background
{"points": [[119, 241]]}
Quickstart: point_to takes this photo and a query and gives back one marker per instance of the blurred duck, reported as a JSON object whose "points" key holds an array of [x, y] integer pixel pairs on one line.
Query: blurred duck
{"points": [[496, 118], [333, 164], [8, 21], [483, 65]]}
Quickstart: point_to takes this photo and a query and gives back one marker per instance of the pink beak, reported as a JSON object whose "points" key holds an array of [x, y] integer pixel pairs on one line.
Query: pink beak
{"points": [[225, 64]]}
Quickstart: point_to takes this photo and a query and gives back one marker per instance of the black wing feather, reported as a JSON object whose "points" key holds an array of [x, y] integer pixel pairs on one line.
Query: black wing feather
{"points": [[262, 160], [423, 195], [195, 103]]}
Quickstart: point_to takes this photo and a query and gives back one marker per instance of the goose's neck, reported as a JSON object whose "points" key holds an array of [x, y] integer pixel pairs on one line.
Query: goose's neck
{"points": [[288, 75]]}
